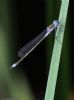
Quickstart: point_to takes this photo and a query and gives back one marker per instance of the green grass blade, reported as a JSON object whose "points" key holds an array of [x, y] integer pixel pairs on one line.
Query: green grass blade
{"points": [[52, 77]]}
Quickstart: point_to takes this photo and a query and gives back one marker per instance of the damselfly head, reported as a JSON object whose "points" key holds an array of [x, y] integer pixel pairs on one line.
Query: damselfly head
{"points": [[56, 23]]}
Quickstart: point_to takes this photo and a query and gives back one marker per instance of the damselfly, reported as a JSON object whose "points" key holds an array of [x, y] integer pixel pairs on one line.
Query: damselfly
{"points": [[24, 51]]}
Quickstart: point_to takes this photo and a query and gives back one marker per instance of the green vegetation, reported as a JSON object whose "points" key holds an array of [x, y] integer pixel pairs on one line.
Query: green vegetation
{"points": [[53, 71]]}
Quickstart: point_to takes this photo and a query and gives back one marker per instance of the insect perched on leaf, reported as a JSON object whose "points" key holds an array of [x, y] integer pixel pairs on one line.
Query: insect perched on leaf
{"points": [[24, 51]]}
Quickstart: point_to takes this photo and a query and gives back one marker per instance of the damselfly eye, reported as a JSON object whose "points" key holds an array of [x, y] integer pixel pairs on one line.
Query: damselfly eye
{"points": [[56, 23]]}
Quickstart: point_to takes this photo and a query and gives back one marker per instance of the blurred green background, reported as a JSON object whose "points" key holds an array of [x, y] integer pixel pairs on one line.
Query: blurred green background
{"points": [[20, 21]]}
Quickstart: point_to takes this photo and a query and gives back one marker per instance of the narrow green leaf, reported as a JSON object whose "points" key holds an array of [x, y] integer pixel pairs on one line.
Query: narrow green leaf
{"points": [[52, 77]]}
